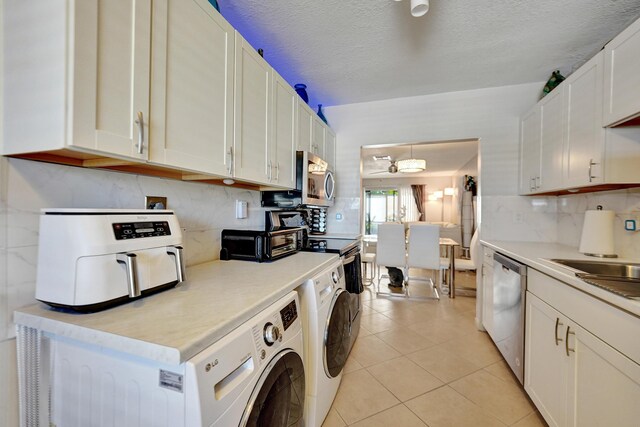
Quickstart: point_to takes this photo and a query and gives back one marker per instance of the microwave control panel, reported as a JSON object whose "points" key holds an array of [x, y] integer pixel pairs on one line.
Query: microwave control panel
{"points": [[137, 230]]}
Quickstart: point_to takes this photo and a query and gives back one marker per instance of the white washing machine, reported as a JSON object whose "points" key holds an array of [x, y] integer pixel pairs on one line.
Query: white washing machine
{"points": [[326, 319], [254, 376]]}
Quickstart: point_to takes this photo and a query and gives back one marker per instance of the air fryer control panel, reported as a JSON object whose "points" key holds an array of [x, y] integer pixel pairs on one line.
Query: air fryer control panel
{"points": [[137, 230]]}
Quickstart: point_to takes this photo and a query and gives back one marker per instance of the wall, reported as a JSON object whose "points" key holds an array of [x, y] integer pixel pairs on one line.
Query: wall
{"points": [[490, 115], [26, 187]]}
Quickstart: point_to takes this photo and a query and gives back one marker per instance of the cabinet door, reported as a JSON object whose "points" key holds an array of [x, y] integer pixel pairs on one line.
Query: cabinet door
{"points": [[317, 137], [112, 49], [192, 87], [252, 114], [546, 366], [330, 148], [622, 79], [584, 133], [284, 139], [487, 291], [604, 384], [552, 140], [305, 119], [530, 151]]}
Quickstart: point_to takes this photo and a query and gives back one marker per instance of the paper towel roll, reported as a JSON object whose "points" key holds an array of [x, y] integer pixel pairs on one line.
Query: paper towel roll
{"points": [[597, 233]]}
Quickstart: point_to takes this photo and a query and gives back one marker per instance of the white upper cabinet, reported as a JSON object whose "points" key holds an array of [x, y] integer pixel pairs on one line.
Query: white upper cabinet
{"points": [[305, 124], [551, 140], [330, 148], [90, 88], [253, 109], [576, 152], [283, 150], [530, 151], [192, 87], [585, 137], [317, 136], [622, 77]]}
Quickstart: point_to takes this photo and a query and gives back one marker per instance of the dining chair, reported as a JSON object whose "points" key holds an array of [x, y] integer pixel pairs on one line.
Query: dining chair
{"points": [[424, 253], [391, 252], [473, 263], [368, 260]]}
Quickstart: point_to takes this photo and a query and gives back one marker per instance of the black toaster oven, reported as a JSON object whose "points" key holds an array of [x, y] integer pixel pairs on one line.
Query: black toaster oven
{"points": [[260, 246]]}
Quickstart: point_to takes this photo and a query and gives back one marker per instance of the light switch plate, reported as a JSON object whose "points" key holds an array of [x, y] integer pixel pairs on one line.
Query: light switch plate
{"points": [[241, 209]]}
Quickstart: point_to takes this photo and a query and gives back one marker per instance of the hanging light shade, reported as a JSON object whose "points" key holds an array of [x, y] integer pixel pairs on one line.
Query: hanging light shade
{"points": [[412, 165], [419, 7]]}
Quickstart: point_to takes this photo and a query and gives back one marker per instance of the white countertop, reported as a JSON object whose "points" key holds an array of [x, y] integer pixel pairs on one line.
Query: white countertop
{"points": [[175, 325], [352, 236], [536, 255]]}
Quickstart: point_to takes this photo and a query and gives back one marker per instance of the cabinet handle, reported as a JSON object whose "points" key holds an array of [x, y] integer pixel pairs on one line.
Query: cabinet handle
{"points": [[129, 261], [140, 123], [269, 170], [591, 164], [278, 172], [230, 160], [532, 184], [537, 182], [566, 341], [558, 323]]}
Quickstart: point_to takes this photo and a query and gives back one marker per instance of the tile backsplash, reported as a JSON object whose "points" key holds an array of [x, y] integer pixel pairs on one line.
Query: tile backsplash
{"points": [[27, 186]]}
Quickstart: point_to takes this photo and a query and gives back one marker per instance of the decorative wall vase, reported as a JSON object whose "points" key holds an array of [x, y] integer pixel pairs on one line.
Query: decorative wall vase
{"points": [[321, 114], [301, 89], [215, 5]]}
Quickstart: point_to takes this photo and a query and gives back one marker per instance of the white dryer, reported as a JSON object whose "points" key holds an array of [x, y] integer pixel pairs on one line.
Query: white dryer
{"points": [[253, 376], [326, 319]]}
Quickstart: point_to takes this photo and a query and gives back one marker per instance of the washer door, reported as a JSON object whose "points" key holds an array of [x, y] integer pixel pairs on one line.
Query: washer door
{"points": [[337, 334], [278, 398]]}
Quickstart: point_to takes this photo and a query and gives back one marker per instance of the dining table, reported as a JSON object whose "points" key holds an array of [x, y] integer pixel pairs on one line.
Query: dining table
{"points": [[450, 245]]}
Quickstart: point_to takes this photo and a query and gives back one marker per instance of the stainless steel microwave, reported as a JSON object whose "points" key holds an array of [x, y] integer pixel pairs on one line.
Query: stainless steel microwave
{"points": [[315, 185]]}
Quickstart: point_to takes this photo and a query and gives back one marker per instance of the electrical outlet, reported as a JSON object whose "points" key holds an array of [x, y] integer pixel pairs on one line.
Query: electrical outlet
{"points": [[155, 202]]}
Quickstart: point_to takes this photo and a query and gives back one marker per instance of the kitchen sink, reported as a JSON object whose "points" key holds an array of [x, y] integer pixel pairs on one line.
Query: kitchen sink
{"points": [[618, 277]]}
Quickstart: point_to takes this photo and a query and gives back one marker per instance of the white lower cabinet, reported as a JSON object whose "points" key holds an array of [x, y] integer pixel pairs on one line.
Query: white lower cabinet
{"points": [[574, 377], [487, 290]]}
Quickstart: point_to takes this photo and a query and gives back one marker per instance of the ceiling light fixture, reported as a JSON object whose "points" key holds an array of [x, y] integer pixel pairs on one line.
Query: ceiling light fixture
{"points": [[411, 165], [419, 7]]}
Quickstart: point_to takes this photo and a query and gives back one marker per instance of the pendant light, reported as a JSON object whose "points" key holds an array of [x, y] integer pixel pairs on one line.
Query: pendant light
{"points": [[411, 165], [419, 7]]}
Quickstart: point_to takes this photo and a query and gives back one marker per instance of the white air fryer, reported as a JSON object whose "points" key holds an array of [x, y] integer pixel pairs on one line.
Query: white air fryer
{"points": [[89, 260]]}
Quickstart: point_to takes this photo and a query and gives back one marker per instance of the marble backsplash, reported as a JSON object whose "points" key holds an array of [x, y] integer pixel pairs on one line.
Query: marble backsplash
{"points": [[26, 187], [626, 205]]}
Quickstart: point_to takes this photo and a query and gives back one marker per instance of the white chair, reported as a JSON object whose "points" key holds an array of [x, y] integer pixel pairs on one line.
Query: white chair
{"points": [[390, 252], [368, 259], [424, 253], [464, 264]]}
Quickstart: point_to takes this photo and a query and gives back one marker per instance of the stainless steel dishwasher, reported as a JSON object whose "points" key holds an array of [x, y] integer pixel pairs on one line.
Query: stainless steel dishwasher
{"points": [[509, 288]]}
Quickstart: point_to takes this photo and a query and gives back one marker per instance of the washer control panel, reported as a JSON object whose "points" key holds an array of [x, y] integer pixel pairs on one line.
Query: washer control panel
{"points": [[289, 314]]}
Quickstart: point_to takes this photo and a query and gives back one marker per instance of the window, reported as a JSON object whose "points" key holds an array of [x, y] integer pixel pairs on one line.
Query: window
{"points": [[380, 205]]}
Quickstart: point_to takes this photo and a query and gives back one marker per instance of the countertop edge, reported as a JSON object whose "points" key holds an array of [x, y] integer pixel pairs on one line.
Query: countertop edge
{"points": [[529, 253], [34, 316]]}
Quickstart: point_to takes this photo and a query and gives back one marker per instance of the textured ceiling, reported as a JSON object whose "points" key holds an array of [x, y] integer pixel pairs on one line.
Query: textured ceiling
{"points": [[349, 51], [443, 158]]}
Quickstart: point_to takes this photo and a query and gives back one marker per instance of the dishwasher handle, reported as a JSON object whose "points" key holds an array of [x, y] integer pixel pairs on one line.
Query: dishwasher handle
{"points": [[510, 264]]}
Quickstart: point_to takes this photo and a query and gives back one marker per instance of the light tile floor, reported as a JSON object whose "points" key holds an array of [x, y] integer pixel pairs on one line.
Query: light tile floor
{"points": [[424, 363]]}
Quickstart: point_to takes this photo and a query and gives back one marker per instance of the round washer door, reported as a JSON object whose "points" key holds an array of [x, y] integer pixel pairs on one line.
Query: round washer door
{"points": [[337, 334], [278, 397]]}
